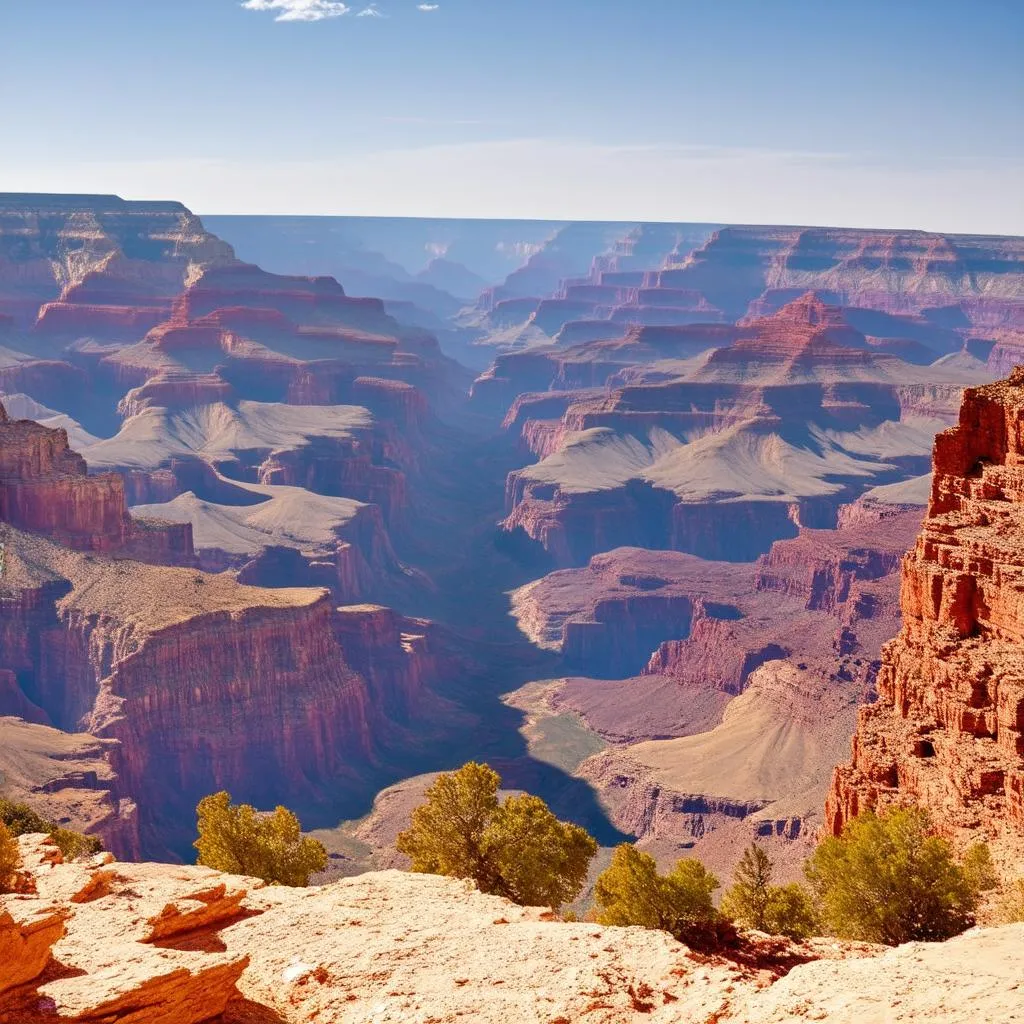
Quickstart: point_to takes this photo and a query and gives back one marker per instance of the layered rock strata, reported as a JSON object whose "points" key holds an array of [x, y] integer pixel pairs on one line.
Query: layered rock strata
{"points": [[725, 453], [947, 731], [45, 488], [97, 264], [201, 683]]}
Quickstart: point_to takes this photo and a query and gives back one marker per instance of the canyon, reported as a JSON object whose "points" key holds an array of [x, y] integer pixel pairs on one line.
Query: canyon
{"points": [[598, 503]]}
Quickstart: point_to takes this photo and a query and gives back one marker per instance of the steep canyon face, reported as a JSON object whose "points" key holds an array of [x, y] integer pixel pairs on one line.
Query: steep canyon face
{"points": [[260, 528], [947, 731]]}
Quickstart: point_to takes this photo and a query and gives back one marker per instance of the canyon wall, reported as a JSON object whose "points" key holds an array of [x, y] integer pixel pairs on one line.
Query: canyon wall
{"points": [[45, 488], [947, 731], [723, 453], [78, 263]]}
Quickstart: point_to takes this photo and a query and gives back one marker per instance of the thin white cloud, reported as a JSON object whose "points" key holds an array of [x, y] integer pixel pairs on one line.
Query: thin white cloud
{"points": [[371, 12], [428, 7], [300, 10]]}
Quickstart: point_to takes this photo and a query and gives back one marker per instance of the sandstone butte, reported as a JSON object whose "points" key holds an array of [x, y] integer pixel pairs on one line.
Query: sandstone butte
{"points": [[947, 731], [102, 941]]}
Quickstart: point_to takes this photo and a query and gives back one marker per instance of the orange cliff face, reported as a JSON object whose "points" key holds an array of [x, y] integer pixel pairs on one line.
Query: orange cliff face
{"points": [[948, 729]]}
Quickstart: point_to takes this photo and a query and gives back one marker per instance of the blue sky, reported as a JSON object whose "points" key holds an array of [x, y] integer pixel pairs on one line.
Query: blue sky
{"points": [[899, 113]]}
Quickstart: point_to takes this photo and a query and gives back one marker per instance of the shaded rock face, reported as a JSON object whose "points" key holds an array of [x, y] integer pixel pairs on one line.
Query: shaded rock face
{"points": [[826, 596], [177, 705], [947, 731]]}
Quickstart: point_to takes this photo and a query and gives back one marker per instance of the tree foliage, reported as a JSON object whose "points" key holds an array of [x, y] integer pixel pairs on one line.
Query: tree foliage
{"points": [[1009, 907], [753, 902], [10, 859], [791, 912], [22, 820], [446, 835], [888, 879], [517, 849], [631, 891], [978, 867], [539, 861], [242, 841], [747, 900]]}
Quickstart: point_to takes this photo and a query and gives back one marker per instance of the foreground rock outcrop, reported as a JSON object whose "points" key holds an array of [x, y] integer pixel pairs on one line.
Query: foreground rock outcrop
{"points": [[947, 731], [160, 944]]}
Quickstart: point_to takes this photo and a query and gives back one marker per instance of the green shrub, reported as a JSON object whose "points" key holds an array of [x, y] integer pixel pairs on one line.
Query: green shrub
{"points": [[979, 869], [10, 859], [76, 844], [539, 861], [241, 841], [888, 879], [517, 849], [1010, 905], [753, 902], [632, 892], [791, 912], [22, 820]]}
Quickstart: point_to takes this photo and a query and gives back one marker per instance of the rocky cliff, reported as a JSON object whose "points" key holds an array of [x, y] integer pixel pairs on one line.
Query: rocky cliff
{"points": [[122, 943], [71, 264], [203, 683], [947, 731], [45, 488]]}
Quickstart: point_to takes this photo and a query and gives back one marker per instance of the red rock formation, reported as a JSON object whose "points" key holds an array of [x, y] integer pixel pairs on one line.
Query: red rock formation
{"points": [[398, 656], [45, 488], [344, 468], [88, 265], [827, 596], [199, 683], [947, 731], [28, 931], [690, 456], [176, 390], [176, 703]]}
